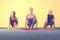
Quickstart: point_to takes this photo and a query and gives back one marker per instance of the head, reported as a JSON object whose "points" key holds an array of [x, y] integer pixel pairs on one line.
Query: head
{"points": [[13, 13], [31, 10], [50, 11]]}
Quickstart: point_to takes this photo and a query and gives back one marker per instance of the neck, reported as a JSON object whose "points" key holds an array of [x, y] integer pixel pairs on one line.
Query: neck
{"points": [[50, 14], [31, 13]]}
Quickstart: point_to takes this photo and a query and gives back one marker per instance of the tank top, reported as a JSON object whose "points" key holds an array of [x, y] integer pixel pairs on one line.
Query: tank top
{"points": [[50, 17]]}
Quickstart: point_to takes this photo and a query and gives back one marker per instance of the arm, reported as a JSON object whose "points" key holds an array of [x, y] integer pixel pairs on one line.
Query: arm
{"points": [[16, 24], [53, 21], [36, 21], [46, 20], [26, 21], [17, 19], [9, 23]]}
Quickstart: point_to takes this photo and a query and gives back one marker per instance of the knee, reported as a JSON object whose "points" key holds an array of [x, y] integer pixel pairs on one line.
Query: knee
{"points": [[14, 23], [45, 23]]}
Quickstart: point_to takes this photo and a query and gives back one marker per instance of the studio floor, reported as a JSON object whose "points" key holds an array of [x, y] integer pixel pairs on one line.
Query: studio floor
{"points": [[21, 34]]}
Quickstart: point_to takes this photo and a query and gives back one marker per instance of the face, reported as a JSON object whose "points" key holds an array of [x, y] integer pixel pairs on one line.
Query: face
{"points": [[13, 13], [50, 11], [31, 10]]}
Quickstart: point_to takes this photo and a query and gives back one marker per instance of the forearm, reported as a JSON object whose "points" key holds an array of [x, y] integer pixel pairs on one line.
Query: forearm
{"points": [[53, 21], [36, 21], [25, 23], [36, 24], [54, 24], [9, 25]]}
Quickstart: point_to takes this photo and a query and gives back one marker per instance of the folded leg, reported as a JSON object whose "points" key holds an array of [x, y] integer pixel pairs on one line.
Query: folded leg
{"points": [[33, 23]]}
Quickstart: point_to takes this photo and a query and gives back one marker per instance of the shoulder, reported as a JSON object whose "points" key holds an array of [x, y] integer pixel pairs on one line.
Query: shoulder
{"points": [[52, 15], [10, 17], [15, 17], [27, 14], [48, 14]]}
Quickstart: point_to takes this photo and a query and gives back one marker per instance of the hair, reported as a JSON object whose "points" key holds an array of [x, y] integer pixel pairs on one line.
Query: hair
{"points": [[14, 13], [30, 8], [50, 10]]}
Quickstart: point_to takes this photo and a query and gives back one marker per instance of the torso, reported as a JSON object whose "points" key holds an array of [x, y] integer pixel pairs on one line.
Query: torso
{"points": [[50, 17], [12, 18], [31, 16]]}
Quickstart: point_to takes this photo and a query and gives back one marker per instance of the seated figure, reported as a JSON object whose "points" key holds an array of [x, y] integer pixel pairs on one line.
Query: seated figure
{"points": [[31, 19], [13, 21], [49, 20]]}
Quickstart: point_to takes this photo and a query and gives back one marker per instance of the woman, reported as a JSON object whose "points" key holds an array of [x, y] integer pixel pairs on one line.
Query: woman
{"points": [[31, 19], [13, 21], [50, 20]]}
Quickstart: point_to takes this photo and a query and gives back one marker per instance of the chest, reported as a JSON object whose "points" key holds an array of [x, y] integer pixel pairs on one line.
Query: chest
{"points": [[50, 16], [31, 16], [12, 18]]}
